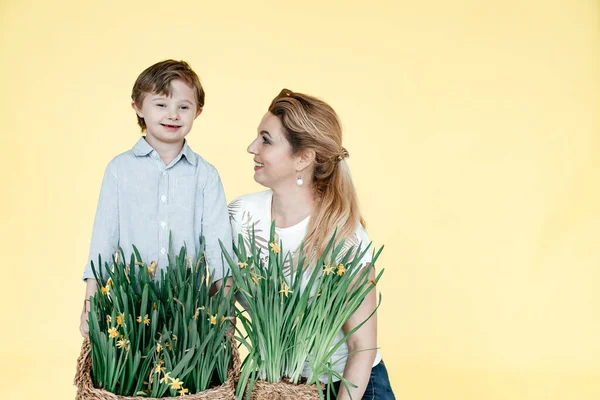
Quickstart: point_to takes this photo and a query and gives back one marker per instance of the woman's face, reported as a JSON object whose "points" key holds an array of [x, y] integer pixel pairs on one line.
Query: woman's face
{"points": [[274, 164]]}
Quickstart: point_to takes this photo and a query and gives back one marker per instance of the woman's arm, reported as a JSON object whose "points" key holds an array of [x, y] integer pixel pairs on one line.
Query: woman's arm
{"points": [[362, 346]]}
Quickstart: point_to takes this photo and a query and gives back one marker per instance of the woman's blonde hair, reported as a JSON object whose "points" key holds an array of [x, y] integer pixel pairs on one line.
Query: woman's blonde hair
{"points": [[311, 124]]}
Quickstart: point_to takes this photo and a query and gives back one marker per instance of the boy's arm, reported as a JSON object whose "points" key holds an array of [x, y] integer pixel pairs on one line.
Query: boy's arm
{"points": [[105, 235], [215, 224], [90, 289]]}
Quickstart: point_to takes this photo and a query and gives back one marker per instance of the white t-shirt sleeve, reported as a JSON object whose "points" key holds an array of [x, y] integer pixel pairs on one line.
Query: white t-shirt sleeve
{"points": [[236, 208], [361, 238]]}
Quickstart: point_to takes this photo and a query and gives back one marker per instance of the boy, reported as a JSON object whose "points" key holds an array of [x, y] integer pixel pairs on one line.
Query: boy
{"points": [[160, 185]]}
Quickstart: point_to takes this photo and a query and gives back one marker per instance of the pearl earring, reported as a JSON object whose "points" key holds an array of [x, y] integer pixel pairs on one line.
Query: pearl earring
{"points": [[299, 181]]}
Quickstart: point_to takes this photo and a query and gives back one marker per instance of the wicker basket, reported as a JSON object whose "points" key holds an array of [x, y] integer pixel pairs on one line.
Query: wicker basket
{"points": [[284, 390], [87, 391]]}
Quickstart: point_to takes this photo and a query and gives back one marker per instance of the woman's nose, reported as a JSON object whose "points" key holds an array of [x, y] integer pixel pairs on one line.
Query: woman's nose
{"points": [[252, 147]]}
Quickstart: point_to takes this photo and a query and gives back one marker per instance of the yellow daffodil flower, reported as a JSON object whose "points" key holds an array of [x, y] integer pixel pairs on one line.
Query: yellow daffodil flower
{"points": [[165, 379], [105, 289], [159, 369], [255, 278], [152, 268], [158, 348], [341, 269], [274, 247], [120, 319], [213, 319], [183, 392], [113, 333], [146, 320], [123, 344], [176, 384], [243, 264], [327, 270], [285, 289]]}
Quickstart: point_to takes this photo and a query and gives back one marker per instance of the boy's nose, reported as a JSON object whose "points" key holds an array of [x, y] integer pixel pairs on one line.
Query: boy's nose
{"points": [[173, 114]]}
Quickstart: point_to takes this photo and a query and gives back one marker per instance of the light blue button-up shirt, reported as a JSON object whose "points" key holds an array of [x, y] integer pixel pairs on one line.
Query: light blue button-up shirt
{"points": [[142, 200]]}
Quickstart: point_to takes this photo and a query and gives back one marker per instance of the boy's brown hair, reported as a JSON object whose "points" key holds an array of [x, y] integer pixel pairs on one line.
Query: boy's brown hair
{"points": [[157, 79]]}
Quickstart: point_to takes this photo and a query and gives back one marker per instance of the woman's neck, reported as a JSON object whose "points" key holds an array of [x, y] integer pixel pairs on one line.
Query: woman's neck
{"points": [[290, 207]]}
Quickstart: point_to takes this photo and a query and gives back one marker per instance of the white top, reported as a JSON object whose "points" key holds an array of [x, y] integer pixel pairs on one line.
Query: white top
{"points": [[254, 210]]}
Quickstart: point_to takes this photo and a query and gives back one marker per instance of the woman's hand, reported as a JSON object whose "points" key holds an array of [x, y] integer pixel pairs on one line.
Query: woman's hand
{"points": [[362, 346]]}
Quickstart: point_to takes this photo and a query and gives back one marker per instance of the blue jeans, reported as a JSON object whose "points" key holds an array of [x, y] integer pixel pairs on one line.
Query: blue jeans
{"points": [[378, 388]]}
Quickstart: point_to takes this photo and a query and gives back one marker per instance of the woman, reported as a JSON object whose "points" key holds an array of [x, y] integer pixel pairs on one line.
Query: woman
{"points": [[298, 155]]}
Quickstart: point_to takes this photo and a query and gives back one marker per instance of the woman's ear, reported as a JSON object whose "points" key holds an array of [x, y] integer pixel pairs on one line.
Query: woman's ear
{"points": [[306, 159]]}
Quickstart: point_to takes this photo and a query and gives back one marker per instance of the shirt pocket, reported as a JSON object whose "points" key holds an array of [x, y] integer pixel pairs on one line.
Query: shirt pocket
{"points": [[184, 191]]}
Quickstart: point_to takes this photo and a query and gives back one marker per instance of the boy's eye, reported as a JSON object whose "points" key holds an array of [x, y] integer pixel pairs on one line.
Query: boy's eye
{"points": [[159, 105], [184, 107]]}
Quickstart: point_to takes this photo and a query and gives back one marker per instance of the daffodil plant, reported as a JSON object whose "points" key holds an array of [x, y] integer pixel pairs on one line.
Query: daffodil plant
{"points": [[293, 314], [158, 333]]}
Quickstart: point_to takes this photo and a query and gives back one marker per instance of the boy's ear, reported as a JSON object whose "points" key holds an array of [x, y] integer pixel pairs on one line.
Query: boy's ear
{"points": [[137, 110], [306, 159], [198, 112]]}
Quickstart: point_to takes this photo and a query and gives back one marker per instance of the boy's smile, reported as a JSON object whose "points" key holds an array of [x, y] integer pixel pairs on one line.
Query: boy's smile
{"points": [[168, 118]]}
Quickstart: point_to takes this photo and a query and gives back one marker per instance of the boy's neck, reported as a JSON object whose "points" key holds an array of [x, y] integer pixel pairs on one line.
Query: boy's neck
{"points": [[167, 151]]}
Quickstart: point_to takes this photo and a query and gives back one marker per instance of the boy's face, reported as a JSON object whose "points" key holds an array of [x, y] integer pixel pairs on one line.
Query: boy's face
{"points": [[169, 119]]}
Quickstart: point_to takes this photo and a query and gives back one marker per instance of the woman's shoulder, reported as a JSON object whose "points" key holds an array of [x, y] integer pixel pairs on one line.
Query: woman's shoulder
{"points": [[250, 201], [250, 212], [358, 239]]}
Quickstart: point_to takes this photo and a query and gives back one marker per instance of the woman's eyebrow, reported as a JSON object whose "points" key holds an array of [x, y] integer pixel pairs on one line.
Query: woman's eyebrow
{"points": [[265, 133]]}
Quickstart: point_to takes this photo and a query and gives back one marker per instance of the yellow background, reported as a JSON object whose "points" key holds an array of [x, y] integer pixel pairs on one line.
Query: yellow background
{"points": [[473, 129]]}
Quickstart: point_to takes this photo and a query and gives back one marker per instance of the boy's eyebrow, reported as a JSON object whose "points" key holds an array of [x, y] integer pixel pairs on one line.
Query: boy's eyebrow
{"points": [[159, 97]]}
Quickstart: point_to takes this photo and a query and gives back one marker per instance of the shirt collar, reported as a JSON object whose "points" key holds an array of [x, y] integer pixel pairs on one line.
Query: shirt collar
{"points": [[188, 153], [142, 148]]}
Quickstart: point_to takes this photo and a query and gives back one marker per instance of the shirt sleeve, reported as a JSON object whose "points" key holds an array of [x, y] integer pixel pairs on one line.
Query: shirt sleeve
{"points": [[359, 237], [364, 240], [105, 234], [215, 225]]}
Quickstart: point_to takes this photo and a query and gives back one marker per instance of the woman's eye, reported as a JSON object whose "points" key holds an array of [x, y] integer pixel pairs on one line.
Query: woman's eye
{"points": [[266, 141]]}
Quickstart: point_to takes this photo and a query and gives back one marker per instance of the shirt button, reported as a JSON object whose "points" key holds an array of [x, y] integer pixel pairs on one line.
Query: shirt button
{"points": [[164, 173], [162, 251], [163, 224], [163, 198]]}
